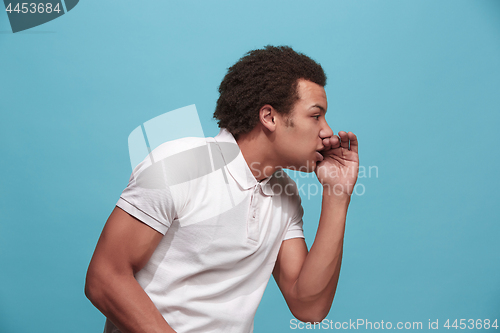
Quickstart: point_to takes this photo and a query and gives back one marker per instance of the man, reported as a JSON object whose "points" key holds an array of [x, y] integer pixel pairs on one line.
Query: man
{"points": [[194, 254]]}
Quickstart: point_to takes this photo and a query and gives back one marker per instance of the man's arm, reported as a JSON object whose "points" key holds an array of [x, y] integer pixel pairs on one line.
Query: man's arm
{"points": [[125, 246], [308, 281]]}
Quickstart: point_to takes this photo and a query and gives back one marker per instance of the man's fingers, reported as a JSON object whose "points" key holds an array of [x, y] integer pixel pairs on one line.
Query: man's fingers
{"points": [[347, 140], [326, 143], [344, 140], [353, 142], [331, 142]]}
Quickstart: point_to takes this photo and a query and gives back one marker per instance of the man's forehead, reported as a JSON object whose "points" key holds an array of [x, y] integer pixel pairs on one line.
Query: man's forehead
{"points": [[308, 88], [313, 94]]}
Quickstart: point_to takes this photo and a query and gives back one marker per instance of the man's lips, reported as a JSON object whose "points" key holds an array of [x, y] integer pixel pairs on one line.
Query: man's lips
{"points": [[319, 156]]}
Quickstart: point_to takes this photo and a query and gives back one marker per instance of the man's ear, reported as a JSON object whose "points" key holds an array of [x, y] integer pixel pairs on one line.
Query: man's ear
{"points": [[267, 116]]}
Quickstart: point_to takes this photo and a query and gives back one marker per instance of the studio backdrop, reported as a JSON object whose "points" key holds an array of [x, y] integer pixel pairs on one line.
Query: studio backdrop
{"points": [[417, 81]]}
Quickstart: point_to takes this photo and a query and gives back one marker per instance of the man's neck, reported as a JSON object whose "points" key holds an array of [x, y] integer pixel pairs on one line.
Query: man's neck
{"points": [[257, 151]]}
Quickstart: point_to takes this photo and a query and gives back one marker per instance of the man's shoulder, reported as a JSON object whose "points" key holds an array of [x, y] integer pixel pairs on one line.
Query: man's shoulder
{"points": [[178, 146], [172, 153]]}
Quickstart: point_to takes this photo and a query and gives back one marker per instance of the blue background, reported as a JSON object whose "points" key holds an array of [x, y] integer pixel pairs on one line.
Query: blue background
{"points": [[417, 81]]}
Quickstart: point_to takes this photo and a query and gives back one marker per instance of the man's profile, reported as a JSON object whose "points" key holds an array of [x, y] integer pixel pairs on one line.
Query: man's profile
{"points": [[191, 245]]}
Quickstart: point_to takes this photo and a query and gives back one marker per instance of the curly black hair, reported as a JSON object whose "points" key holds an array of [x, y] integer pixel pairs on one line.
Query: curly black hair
{"points": [[263, 76]]}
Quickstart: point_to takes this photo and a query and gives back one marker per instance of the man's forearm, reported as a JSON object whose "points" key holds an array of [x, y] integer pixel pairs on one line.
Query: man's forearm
{"points": [[126, 304], [318, 278]]}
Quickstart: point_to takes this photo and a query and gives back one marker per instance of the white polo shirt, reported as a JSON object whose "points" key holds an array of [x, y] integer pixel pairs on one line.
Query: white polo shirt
{"points": [[223, 230]]}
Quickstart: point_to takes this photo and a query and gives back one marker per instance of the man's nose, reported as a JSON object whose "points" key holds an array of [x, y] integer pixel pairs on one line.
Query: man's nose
{"points": [[326, 131]]}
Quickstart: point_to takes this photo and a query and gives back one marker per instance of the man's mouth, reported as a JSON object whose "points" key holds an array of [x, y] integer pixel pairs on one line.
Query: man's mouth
{"points": [[319, 156]]}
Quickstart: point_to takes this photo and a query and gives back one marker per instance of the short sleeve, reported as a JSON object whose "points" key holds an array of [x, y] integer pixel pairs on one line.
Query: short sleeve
{"points": [[152, 205], [295, 229]]}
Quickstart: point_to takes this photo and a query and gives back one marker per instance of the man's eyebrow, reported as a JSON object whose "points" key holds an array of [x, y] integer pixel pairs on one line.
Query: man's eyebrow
{"points": [[319, 107]]}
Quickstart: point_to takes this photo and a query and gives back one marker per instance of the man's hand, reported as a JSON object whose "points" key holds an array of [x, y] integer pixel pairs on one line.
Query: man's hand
{"points": [[338, 171]]}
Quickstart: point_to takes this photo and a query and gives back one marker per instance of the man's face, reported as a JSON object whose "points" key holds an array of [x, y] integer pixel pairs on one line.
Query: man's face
{"points": [[298, 141]]}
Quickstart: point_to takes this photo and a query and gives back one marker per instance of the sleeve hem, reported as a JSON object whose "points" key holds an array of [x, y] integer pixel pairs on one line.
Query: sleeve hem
{"points": [[142, 216], [294, 234]]}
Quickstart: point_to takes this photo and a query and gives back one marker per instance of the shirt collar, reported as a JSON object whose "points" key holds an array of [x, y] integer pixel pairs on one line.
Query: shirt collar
{"points": [[237, 166]]}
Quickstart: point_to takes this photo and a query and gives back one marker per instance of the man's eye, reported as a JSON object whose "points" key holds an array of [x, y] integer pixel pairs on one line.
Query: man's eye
{"points": [[316, 117]]}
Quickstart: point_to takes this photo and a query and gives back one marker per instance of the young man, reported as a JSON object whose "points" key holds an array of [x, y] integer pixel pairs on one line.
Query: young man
{"points": [[191, 250]]}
